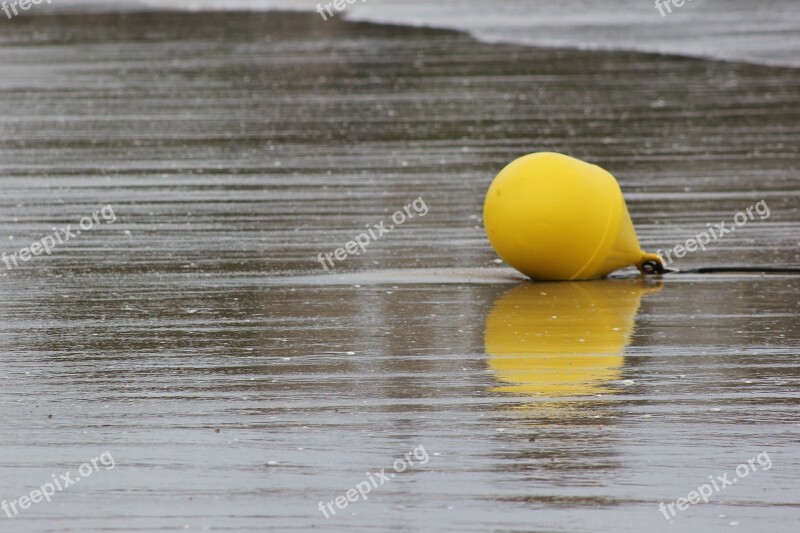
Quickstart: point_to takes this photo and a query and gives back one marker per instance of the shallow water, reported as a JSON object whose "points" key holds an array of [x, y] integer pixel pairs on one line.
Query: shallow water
{"points": [[763, 32], [234, 154]]}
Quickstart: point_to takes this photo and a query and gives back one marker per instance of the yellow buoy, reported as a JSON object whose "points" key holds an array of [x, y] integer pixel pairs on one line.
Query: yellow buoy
{"points": [[554, 217]]}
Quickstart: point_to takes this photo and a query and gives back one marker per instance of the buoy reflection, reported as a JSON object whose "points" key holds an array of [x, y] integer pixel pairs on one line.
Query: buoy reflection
{"points": [[562, 339]]}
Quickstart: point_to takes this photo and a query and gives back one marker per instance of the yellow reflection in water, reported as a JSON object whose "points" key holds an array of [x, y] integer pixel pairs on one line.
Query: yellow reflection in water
{"points": [[562, 339]]}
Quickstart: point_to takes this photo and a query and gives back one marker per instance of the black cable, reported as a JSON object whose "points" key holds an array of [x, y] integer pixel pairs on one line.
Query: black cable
{"points": [[734, 269], [657, 267]]}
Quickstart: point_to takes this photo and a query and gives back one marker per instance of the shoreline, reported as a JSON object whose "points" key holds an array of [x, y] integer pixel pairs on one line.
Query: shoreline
{"points": [[141, 10], [135, 7]]}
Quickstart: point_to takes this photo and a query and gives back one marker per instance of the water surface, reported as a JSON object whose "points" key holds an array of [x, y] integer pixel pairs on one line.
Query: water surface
{"points": [[237, 384]]}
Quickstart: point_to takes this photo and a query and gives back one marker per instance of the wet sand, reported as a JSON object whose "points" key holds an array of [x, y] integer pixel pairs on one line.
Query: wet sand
{"points": [[236, 152]]}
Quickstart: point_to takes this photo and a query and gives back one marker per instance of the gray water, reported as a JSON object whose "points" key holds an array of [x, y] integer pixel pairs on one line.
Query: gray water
{"points": [[762, 32], [237, 384]]}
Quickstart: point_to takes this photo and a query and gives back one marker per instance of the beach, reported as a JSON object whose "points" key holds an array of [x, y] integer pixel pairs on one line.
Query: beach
{"points": [[239, 384]]}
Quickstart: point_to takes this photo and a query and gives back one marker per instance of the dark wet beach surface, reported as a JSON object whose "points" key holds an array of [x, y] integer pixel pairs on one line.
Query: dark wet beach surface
{"points": [[234, 154]]}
